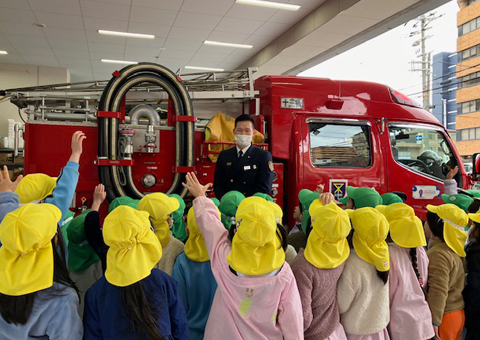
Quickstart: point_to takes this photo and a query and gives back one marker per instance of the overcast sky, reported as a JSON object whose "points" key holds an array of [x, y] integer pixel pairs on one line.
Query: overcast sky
{"points": [[387, 58]]}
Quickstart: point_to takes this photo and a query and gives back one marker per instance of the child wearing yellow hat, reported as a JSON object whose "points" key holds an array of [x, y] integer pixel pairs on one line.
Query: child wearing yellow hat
{"points": [[257, 296], [410, 317], [318, 269], [471, 293], [134, 299], [194, 276], [161, 208], [446, 275], [37, 297], [362, 290]]}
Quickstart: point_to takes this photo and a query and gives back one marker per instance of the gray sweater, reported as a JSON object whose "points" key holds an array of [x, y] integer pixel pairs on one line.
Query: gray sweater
{"points": [[54, 316]]}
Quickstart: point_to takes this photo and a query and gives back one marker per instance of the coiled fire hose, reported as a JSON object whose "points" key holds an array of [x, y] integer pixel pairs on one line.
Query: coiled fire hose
{"points": [[111, 100]]}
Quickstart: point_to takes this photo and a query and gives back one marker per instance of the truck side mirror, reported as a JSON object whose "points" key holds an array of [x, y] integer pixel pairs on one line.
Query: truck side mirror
{"points": [[476, 166]]}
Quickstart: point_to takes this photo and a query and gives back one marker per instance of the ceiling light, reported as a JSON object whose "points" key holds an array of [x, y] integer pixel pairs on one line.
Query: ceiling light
{"points": [[38, 24], [127, 34], [204, 68], [270, 4], [3, 52], [119, 61], [216, 43]]}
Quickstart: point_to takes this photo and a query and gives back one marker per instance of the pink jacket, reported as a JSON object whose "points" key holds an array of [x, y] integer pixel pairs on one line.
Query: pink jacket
{"points": [[265, 308], [410, 317]]}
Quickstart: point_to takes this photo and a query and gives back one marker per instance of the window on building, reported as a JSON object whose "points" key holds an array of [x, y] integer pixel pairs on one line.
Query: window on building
{"points": [[464, 134], [339, 145], [469, 53], [421, 149], [469, 107], [469, 80], [468, 134]]}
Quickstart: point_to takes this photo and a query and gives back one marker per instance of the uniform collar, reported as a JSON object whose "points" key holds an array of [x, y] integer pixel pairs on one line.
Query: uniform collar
{"points": [[244, 149]]}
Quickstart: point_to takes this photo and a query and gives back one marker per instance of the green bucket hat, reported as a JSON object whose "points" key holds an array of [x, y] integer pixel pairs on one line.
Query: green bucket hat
{"points": [[80, 254], [364, 197], [123, 200], [216, 201], [306, 198], [264, 196], [390, 198], [474, 193], [178, 227], [228, 207], [461, 201]]}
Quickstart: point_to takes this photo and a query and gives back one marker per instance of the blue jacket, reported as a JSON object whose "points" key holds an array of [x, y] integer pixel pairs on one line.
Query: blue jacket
{"points": [[250, 174], [54, 316], [104, 317], [197, 287]]}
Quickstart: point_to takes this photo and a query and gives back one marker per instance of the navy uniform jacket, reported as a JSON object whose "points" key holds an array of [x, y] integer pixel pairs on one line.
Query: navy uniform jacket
{"points": [[250, 174]]}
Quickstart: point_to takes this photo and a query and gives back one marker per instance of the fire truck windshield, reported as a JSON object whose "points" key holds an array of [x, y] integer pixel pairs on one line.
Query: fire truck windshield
{"points": [[422, 149]]}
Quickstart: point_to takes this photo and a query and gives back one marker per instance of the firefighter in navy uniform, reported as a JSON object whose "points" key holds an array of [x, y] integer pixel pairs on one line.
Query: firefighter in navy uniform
{"points": [[244, 168]]}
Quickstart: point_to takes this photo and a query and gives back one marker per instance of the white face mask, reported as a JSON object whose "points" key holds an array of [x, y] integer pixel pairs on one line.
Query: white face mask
{"points": [[243, 140]]}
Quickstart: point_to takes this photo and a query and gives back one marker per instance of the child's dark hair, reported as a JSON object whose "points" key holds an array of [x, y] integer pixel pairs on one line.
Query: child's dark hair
{"points": [[309, 227], [17, 309], [142, 315], [436, 224], [300, 206], [474, 207], [283, 236], [413, 258]]}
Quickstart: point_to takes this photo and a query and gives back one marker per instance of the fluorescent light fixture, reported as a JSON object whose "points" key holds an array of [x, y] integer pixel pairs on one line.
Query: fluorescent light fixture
{"points": [[3, 52], [127, 34], [204, 68], [277, 5], [216, 43], [119, 61]]}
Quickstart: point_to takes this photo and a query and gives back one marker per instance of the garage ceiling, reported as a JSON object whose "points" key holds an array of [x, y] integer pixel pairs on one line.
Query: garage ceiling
{"points": [[70, 38], [282, 40]]}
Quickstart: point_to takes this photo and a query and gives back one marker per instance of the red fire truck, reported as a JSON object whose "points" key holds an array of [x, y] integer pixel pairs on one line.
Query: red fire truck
{"points": [[146, 128]]}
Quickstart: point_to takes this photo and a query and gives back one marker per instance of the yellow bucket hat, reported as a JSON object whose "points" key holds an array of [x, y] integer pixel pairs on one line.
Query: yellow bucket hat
{"points": [[277, 211], [195, 248], [35, 187], [475, 217], [256, 249], [406, 229], [327, 245], [454, 222], [26, 255], [371, 230], [159, 206], [134, 248]]}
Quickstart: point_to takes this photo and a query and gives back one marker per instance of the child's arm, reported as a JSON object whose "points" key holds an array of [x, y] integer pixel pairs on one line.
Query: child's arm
{"points": [[69, 326], [290, 317], [438, 272], [305, 288], [62, 195], [449, 183], [345, 292], [93, 230], [208, 219], [8, 199]]}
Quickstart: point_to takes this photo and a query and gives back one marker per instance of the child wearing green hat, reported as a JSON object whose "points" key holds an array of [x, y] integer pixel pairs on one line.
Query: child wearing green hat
{"points": [[84, 266], [178, 227], [361, 197]]}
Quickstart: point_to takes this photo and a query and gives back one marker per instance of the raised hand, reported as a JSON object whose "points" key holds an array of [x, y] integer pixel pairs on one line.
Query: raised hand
{"points": [[194, 186], [77, 139], [99, 195], [6, 185]]}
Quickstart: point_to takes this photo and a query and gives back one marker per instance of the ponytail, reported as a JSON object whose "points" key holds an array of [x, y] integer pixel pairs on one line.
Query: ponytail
{"points": [[143, 318], [383, 276], [413, 257], [283, 236]]}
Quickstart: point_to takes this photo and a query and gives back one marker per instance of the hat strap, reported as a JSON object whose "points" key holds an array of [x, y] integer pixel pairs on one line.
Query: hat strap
{"points": [[453, 224]]}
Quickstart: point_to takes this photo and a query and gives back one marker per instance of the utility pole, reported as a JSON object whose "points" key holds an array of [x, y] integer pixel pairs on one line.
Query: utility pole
{"points": [[424, 65]]}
